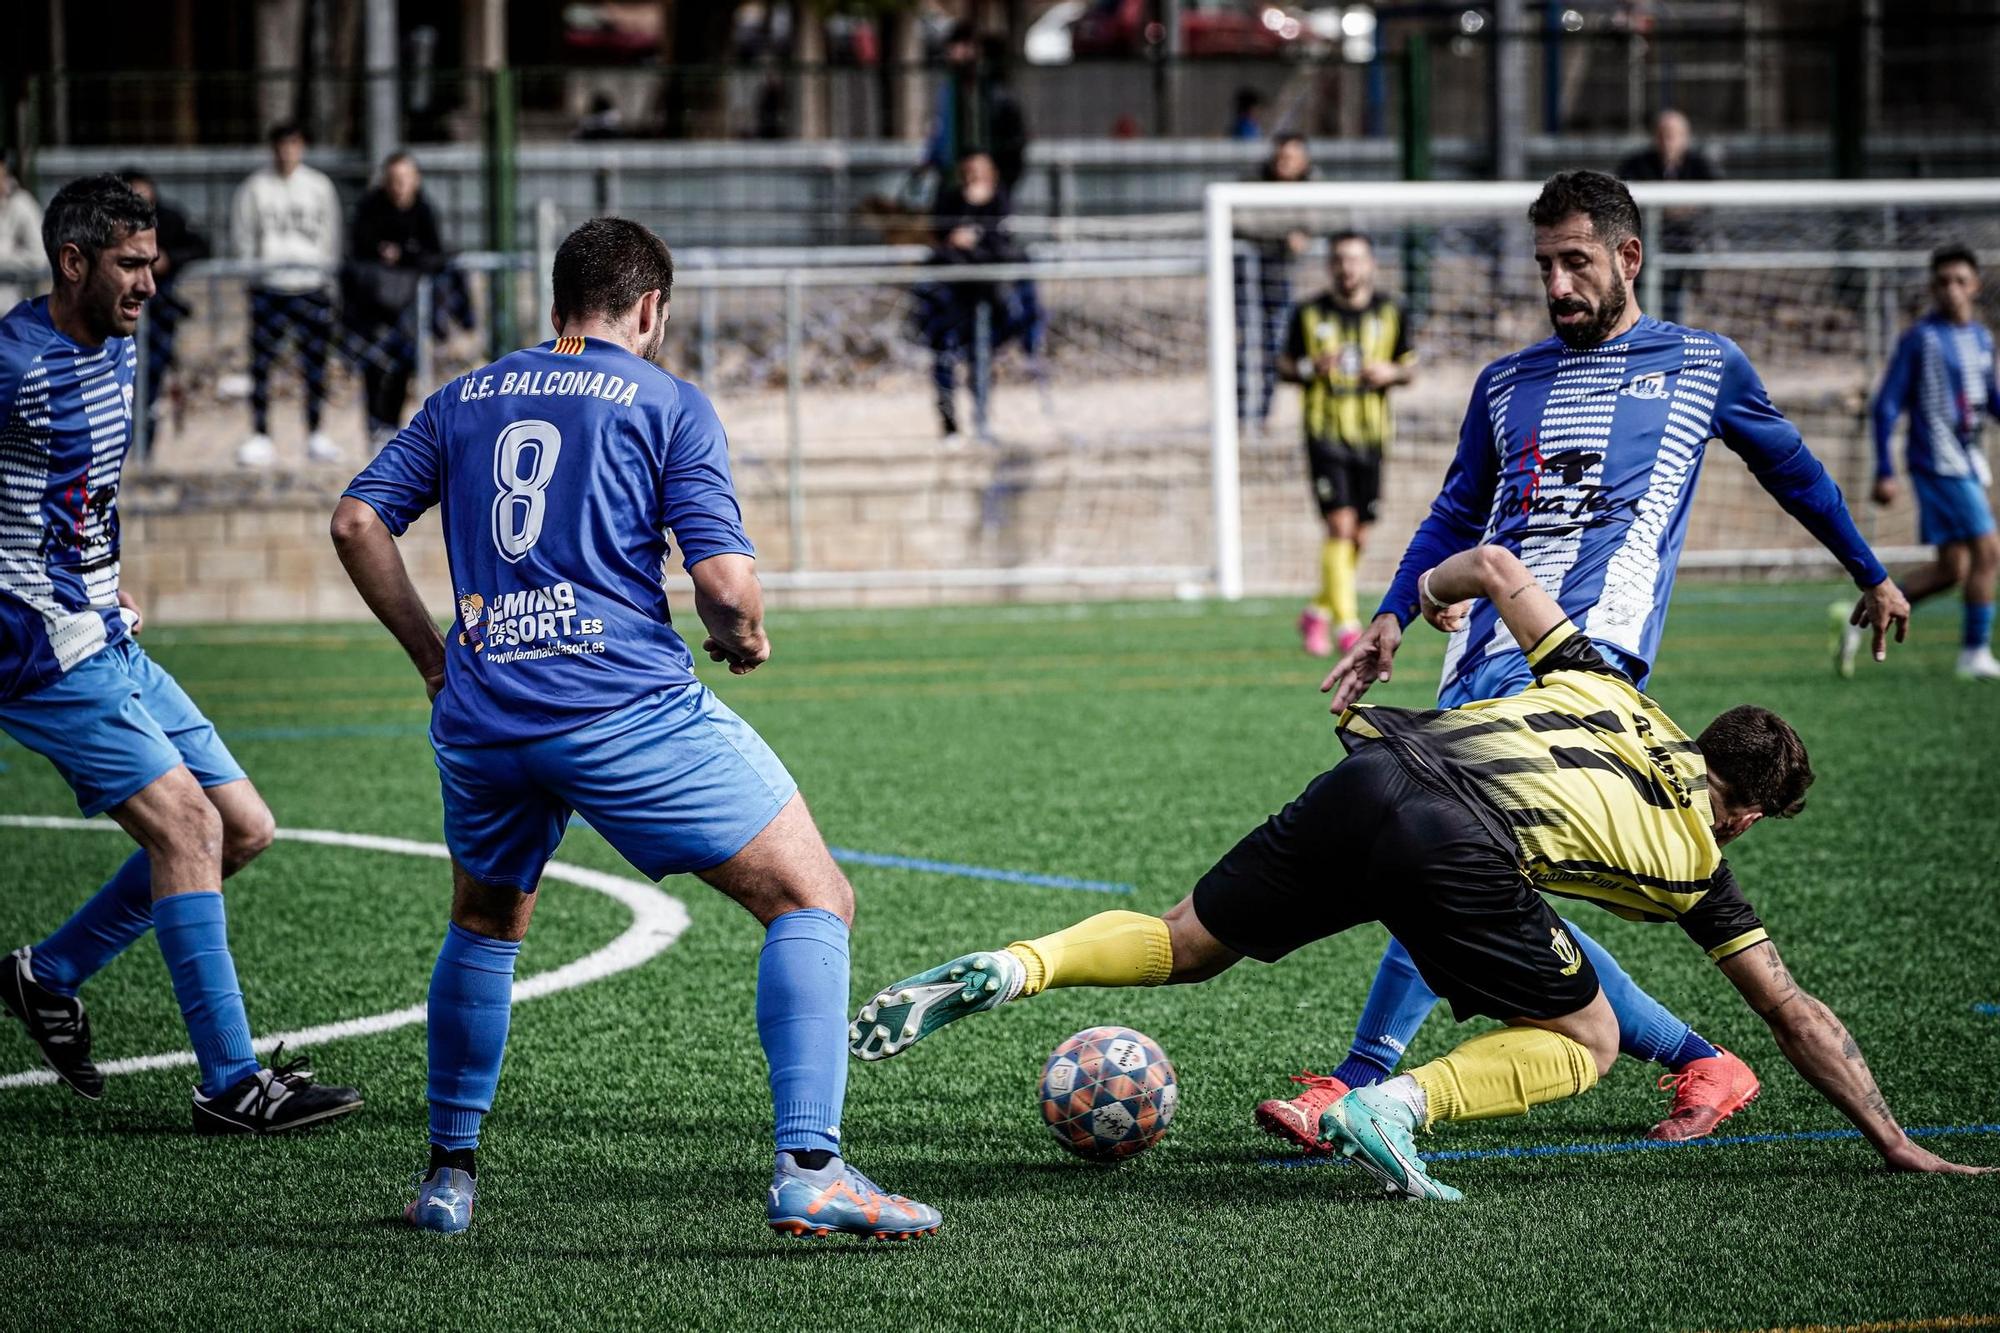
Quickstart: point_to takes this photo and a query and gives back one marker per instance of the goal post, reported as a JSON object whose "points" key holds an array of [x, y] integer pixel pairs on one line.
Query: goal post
{"points": [[1815, 279]]}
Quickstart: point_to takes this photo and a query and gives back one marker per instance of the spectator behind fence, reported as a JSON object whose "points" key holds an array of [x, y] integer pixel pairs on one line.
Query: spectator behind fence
{"points": [[394, 249], [976, 112], [1264, 288], [970, 227], [179, 245], [20, 237], [287, 220], [1247, 122], [1673, 157]]}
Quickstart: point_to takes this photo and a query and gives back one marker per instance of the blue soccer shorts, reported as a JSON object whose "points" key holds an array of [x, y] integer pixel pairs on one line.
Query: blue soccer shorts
{"points": [[1951, 509], [114, 725], [1503, 675], [675, 781]]}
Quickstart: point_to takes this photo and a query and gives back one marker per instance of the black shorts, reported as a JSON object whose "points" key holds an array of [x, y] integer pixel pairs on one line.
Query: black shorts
{"points": [[1344, 477], [1371, 841]]}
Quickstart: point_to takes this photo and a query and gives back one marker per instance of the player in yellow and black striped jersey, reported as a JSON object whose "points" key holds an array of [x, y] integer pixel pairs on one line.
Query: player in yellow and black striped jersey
{"points": [[1348, 347], [1442, 825]]}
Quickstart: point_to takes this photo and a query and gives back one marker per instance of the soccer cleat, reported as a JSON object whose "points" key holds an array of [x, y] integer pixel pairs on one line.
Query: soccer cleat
{"points": [[1977, 664], [443, 1203], [55, 1023], [1373, 1128], [839, 1199], [273, 1101], [1298, 1119], [1316, 632], [1706, 1093], [1847, 640], [917, 1006]]}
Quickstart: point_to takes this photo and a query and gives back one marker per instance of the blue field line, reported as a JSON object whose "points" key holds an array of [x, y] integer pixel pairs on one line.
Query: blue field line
{"points": [[849, 856], [1649, 1145], [1990, 1010]]}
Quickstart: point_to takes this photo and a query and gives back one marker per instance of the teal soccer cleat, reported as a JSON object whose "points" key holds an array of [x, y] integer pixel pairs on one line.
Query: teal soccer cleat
{"points": [[1373, 1128], [443, 1203], [917, 1006], [837, 1199]]}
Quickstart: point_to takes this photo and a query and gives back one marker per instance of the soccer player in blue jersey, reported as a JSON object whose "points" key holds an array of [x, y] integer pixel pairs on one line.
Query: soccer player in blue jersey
{"points": [[1580, 455], [560, 470], [1942, 377], [76, 687]]}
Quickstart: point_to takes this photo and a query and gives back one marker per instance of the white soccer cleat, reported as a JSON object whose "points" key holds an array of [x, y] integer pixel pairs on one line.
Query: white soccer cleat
{"points": [[257, 451], [320, 448], [903, 1014], [1978, 664]]}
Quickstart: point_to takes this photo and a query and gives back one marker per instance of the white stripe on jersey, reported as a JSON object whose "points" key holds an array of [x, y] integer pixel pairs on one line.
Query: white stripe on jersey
{"points": [[1632, 579], [1937, 400]]}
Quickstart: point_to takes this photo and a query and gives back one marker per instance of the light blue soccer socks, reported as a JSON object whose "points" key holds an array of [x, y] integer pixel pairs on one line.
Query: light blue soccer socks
{"points": [[802, 1022], [1398, 1004], [98, 931], [194, 939], [471, 1003], [1647, 1029], [1978, 625]]}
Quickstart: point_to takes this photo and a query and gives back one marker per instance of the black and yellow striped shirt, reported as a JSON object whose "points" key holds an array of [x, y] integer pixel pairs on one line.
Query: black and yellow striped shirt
{"points": [[1339, 409], [1604, 796]]}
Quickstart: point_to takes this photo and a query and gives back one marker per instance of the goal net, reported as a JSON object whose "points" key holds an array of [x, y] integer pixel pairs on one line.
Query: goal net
{"points": [[1815, 281]]}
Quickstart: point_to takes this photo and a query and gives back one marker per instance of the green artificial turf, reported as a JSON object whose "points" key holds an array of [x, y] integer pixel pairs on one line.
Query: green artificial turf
{"points": [[622, 1173]]}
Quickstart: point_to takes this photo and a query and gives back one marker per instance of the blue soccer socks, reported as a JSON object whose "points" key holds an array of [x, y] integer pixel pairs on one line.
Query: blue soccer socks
{"points": [[1978, 625], [802, 1022], [1647, 1029], [194, 939], [1398, 1004], [100, 930], [471, 1002]]}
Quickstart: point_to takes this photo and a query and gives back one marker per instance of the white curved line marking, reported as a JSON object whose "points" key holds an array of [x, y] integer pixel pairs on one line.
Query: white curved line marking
{"points": [[657, 921]]}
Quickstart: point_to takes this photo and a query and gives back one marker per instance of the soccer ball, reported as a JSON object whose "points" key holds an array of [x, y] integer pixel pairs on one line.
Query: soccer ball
{"points": [[1108, 1093]]}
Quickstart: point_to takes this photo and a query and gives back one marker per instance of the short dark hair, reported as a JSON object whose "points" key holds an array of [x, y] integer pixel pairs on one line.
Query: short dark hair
{"points": [[93, 213], [1342, 237], [1757, 755], [606, 265], [133, 175], [1603, 199], [284, 129], [1954, 254]]}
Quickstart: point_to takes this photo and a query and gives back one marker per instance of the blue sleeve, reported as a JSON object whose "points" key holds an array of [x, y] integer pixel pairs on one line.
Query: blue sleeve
{"points": [[1890, 401], [1748, 422], [405, 479], [1458, 516], [697, 495]]}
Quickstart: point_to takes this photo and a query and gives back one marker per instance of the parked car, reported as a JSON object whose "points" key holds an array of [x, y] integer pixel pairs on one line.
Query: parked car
{"points": [[1208, 28]]}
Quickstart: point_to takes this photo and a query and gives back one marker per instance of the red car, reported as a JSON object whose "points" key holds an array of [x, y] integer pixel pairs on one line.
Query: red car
{"points": [[1208, 28]]}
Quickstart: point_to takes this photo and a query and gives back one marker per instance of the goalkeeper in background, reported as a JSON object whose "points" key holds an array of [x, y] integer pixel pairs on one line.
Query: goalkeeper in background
{"points": [[1348, 346]]}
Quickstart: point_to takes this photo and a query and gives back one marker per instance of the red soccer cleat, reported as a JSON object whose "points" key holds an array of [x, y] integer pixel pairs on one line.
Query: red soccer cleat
{"points": [[1706, 1093], [1298, 1119]]}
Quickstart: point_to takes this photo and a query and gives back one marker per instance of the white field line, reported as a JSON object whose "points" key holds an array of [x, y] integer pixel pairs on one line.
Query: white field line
{"points": [[657, 921]]}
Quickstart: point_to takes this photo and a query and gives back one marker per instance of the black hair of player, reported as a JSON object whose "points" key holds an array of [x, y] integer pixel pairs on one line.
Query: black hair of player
{"points": [[133, 176], [93, 213], [606, 265], [1946, 255], [1341, 238], [1603, 199], [1759, 758], [283, 130]]}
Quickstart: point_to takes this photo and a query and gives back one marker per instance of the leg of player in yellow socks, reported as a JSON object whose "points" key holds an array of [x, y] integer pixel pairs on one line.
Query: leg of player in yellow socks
{"points": [[1337, 561], [1109, 949]]}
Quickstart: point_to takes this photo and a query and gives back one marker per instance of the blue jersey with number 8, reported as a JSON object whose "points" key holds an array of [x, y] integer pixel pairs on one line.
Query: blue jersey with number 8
{"points": [[561, 470]]}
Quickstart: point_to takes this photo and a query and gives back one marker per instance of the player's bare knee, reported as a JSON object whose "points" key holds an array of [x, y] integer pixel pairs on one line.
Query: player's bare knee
{"points": [[246, 834], [1197, 955], [497, 911]]}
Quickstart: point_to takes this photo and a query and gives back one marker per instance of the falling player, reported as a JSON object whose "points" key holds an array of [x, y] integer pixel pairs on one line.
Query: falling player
{"points": [[1581, 453], [1442, 826], [1942, 376], [76, 687], [560, 470], [1348, 347]]}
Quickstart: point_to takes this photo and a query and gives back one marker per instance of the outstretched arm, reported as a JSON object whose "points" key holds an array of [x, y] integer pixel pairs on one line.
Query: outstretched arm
{"points": [[1825, 1053], [1498, 575]]}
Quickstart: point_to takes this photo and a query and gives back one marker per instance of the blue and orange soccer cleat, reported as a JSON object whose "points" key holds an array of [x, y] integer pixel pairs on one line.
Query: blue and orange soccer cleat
{"points": [[907, 1012], [1374, 1128], [839, 1199], [443, 1203]]}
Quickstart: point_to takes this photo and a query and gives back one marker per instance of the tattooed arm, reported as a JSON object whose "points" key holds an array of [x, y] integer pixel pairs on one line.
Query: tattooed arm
{"points": [[1826, 1054]]}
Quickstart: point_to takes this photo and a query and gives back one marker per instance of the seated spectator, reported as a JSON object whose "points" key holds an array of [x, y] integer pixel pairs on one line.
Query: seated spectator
{"points": [[20, 238], [1248, 120], [179, 245], [394, 247]]}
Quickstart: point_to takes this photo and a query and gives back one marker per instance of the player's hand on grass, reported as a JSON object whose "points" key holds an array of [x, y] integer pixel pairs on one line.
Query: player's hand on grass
{"points": [[742, 658], [1367, 662], [136, 620], [1885, 491], [1907, 1156], [1880, 607]]}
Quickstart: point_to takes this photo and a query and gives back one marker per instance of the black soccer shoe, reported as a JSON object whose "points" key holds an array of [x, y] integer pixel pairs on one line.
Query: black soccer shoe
{"points": [[273, 1101], [56, 1024]]}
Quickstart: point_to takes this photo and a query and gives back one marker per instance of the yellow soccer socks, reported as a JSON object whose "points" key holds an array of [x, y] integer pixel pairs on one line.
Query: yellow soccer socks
{"points": [[1109, 949], [1337, 559], [1503, 1073]]}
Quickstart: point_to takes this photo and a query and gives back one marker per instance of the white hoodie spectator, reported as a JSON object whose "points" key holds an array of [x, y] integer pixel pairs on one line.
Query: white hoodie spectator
{"points": [[289, 218], [20, 238]]}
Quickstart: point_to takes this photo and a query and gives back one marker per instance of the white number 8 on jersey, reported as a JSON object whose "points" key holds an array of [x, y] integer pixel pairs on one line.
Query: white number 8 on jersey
{"points": [[524, 463]]}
